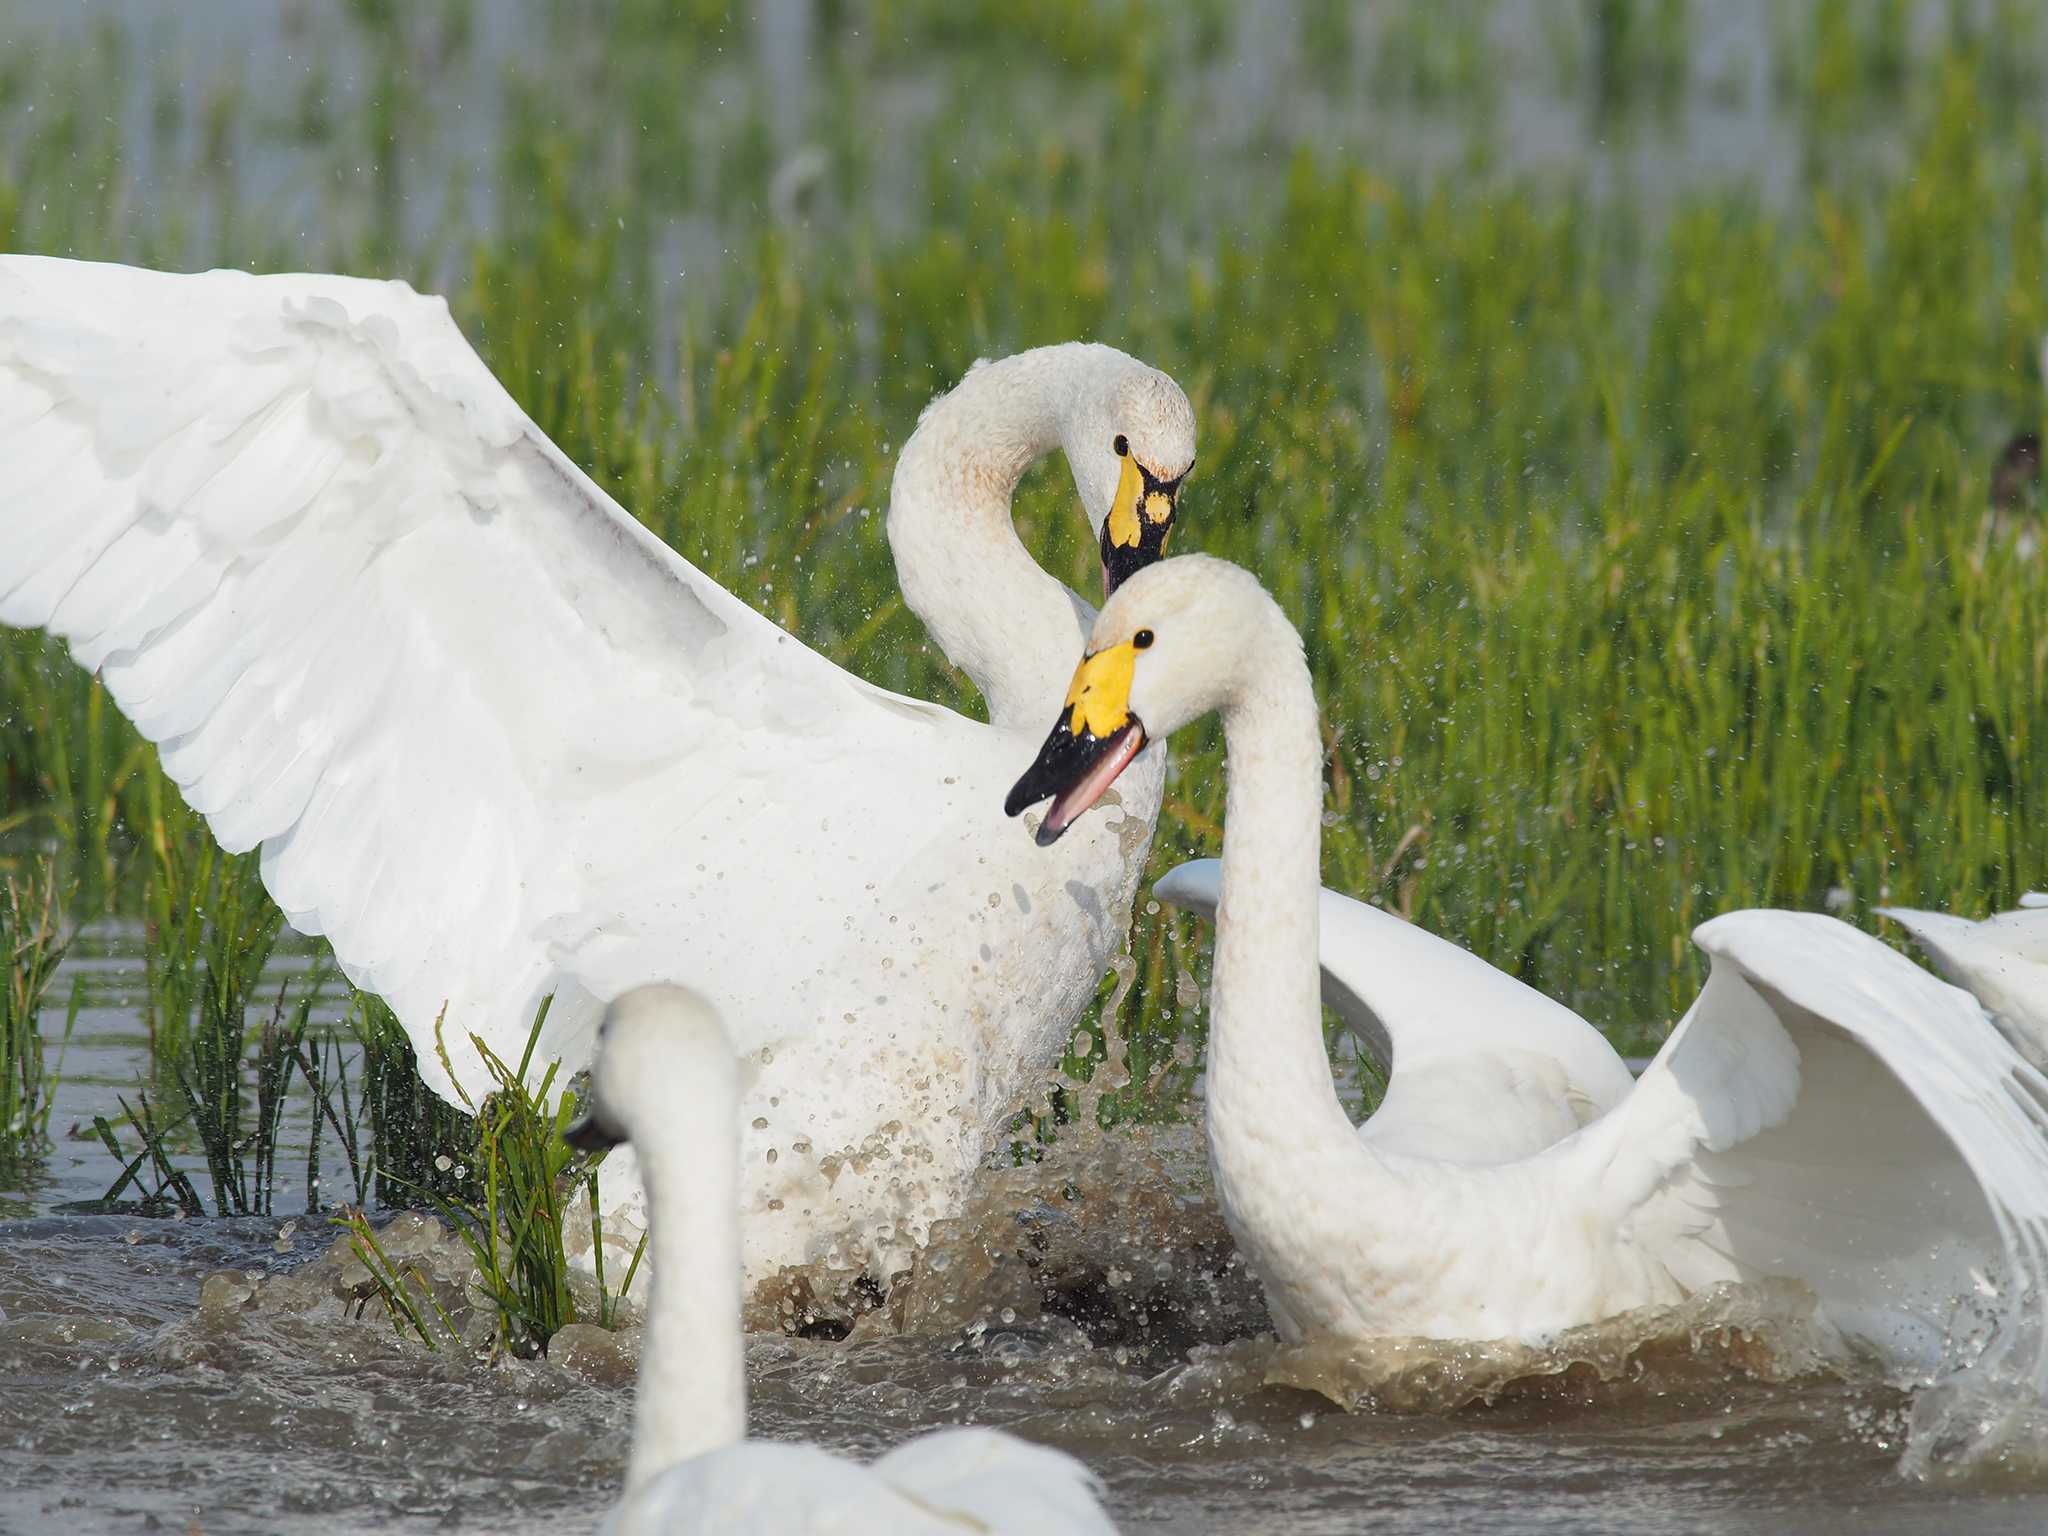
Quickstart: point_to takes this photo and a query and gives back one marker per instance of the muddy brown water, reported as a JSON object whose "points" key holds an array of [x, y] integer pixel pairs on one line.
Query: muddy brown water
{"points": [[161, 1374]]}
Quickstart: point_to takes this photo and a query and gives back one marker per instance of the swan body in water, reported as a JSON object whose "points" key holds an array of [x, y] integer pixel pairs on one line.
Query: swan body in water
{"points": [[2002, 961], [1827, 1112], [666, 1080], [497, 741]]}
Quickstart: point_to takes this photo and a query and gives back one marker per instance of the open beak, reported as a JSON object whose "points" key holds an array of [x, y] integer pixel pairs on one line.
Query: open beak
{"points": [[1094, 741], [1074, 771], [1139, 523]]}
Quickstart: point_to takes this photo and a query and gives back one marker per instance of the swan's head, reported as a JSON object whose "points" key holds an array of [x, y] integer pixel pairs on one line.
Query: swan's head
{"points": [[655, 1042], [1186, 637], [1131, 444]]}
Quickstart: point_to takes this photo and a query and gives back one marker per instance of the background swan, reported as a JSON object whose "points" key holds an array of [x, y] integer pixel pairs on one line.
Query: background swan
{"points": [[2002, 960], [665, 1079], [496, 740], [1826, 1112]]}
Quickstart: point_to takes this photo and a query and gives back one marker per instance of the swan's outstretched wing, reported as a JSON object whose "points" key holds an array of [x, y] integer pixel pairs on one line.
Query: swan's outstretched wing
{"points": [[1830, 1112], [943, 1484], [2002, 960], [382, 627], [1483, 1069]]}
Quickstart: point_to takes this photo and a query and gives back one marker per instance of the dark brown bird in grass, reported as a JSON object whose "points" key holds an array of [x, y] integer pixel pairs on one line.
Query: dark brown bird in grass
{"points": [[2016, 477]]}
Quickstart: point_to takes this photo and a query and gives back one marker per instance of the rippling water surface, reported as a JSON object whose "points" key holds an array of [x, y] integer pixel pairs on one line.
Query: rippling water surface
{"points": [[123, 1398], [157, 1373]]}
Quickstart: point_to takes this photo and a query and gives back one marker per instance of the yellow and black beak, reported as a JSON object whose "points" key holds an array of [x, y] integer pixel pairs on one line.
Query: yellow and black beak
{"points": [[1139, 522], [1095, 740]]}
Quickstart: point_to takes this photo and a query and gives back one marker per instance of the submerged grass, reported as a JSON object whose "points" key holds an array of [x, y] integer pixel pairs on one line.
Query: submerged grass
{"points": [[421, 1147], [227, 1089], [1639, 538], [31, 948], [517, 1229], [515, 1224]]}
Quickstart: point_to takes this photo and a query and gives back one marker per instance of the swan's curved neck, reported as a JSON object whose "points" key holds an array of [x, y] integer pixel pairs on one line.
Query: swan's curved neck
{"points": [[1003, 621], [1286, 1158], [693, 1385], [1266, 1035]]}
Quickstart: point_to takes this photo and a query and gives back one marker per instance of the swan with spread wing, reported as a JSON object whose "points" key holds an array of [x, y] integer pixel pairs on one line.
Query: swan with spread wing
{"points": [[497, 741], [1826, 1113]]}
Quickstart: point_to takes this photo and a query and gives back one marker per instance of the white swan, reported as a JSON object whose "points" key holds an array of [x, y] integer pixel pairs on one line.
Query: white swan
{"points": [[498, 741], [1827, 1112], [665, 1079], [1490, 1068], [2002, 960]]}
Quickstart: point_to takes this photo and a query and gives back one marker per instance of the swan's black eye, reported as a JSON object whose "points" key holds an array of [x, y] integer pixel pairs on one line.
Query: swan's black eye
{"points": [[1141, 639], [1122, 445]]}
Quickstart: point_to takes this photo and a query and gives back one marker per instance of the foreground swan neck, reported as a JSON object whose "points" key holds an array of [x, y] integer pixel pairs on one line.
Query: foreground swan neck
{"points": [[1002, 620], [1287, 1160], [693, 1389], [1266, 1000]]}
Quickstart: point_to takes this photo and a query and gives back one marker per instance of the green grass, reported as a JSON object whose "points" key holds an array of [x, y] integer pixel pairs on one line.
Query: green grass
{"points": [[1638, 542], [420, 1145], [30, 948], [222, 1065], [513, 1216]]}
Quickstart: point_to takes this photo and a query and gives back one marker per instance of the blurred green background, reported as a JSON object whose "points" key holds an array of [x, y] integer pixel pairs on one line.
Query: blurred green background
{"points": [[1609, 390]]}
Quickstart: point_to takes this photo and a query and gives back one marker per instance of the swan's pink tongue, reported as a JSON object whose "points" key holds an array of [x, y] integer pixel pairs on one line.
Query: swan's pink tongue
{"points": [[1129, 742]]}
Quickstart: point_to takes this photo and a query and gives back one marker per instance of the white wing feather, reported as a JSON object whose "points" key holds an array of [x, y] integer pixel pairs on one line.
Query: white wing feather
{"points": [[2003, 961], [1829, 1111], [472, 710], [1482, 1069]]}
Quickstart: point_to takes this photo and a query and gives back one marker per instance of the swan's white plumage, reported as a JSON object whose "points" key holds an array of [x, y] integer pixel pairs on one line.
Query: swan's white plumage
{"points": [[665, 1078], [1826, 1113], [1830, 1112], [940, 1484], [2002, 961], [496, 740], [1490, 1069]]}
